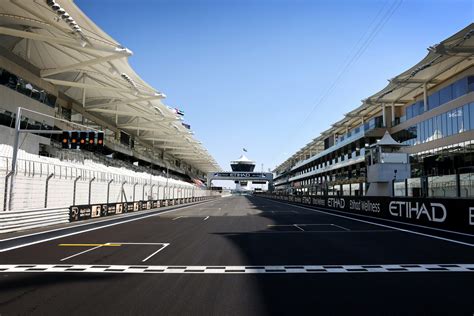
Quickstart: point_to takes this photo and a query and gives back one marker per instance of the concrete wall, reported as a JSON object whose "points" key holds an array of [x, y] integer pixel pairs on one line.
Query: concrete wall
{"points": [[28, 142], [10, 100]]}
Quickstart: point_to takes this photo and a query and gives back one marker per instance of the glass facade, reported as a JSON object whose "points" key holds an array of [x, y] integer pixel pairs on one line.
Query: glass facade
{"points": [[440, 97], [375, 122], [446, 124]]}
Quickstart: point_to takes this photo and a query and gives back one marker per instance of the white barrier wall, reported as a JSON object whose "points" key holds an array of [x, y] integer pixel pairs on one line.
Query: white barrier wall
{"points": [[29, 191], [44, 188]]}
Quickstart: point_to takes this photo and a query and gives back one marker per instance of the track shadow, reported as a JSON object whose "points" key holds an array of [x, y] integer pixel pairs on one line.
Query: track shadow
{"points": [[345, 293]]}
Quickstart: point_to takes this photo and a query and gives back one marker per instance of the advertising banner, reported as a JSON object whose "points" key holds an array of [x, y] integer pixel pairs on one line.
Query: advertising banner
{"points": [[83, 212], [79, 212], [96, 211], [454, 214]]}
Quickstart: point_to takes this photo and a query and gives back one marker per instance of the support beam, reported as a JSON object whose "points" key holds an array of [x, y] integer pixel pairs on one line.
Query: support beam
{"points": [[160, 139], [413, 80], [425, 97], [392, 119], [125, 102], [380, 101], [384, 117], [171, 147], [143, 128], [55, 39], [120, 112], [86, 85], [76, 66]]}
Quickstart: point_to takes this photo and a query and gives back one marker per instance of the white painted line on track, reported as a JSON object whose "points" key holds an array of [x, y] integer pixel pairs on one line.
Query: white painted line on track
{"points": [[139, 243], [87, 230], [82, 252], [273, 269], [327, 231], [178, 218], [163, 247], [338, 226], [298, 227], [97, 221], [389, 220], [378, 224]]}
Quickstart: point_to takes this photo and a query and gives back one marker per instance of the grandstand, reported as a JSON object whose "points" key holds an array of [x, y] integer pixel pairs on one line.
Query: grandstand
{"points": [[428, 108], [65, 72], [56, 61]]}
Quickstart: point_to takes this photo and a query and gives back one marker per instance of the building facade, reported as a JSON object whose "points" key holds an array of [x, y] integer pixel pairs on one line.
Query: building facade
{"points": [[429, 108]]}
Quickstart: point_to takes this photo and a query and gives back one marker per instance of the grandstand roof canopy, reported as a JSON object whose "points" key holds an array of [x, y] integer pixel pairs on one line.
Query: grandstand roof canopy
{"points": [[443, 61], [83, 62]]}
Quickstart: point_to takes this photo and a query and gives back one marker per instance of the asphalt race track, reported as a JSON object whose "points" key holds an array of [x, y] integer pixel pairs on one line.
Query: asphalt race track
{"points": [[237, 256]]}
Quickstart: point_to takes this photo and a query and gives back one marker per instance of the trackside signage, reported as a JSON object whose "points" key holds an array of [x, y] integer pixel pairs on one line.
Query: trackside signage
{"points": [[450, 214], [88, 211]]}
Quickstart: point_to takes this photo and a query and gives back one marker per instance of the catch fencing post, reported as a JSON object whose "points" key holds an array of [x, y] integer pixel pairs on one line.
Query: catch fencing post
{"points": [[74, 190], [90, 187], [151, 191], [5, 195], [143, 191], [134, 186], [108, 189], [123, 192], [46, 190]]}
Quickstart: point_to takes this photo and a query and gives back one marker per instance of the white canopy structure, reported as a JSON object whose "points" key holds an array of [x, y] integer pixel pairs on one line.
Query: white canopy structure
{"points": [[387, 140], [66, 49]]}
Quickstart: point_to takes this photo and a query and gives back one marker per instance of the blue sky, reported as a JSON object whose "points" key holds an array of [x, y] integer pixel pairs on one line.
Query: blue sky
{"points": [[251, 73]]}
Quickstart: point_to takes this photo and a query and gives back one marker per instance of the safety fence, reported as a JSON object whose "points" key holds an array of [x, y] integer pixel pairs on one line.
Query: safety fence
{"points": [[453, 214], [47, 193]]}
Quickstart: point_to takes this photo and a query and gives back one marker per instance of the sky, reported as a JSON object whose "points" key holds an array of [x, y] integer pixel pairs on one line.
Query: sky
{"points": [[271, 75]]}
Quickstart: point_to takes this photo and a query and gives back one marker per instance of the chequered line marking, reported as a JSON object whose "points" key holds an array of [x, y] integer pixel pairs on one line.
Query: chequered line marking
{"points": [[371, 268]]}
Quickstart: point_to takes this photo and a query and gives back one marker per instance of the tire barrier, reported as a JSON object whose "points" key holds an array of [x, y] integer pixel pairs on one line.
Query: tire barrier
{"points": [[89, 211], [449, 214]]}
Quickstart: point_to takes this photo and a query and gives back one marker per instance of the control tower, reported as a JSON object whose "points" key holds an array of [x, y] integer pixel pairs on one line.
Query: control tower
{"points": [[385, 165], [243, 164], [242, 174]]}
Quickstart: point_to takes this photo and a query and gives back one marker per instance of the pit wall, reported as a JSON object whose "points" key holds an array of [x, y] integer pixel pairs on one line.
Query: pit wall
{"points": [[447, 214]]}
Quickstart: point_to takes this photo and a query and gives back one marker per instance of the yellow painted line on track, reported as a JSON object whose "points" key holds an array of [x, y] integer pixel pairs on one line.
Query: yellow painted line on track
{"points": [[90, 245]]}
